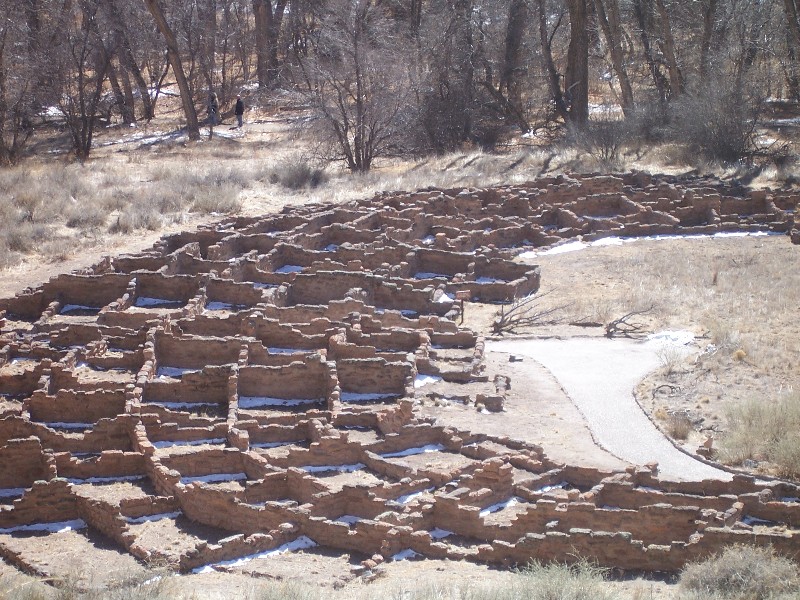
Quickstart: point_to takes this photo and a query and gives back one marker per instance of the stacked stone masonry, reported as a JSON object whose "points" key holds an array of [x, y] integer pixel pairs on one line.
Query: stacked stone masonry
{"points": [[241, 386]]}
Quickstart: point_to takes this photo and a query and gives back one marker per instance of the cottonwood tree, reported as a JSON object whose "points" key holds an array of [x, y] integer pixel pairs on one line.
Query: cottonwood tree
{"points": [[268, 21], [352, 82], [175, 61]]}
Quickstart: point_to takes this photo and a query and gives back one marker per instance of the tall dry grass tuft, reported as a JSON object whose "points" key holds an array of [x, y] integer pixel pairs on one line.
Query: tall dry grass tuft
{"points": [[581, 581], [765, 430], [742, 573]]}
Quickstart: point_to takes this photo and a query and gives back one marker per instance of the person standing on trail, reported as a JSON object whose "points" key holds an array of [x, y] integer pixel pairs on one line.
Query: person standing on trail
{"points": [[239, 110], [213, 108]]}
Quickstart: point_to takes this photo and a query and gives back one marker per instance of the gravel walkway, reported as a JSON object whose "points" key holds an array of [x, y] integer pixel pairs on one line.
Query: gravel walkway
{"points": [[599, 375]]}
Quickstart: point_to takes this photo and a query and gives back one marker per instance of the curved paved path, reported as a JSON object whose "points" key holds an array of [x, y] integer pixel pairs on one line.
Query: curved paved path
{"points": [[599, 375]]}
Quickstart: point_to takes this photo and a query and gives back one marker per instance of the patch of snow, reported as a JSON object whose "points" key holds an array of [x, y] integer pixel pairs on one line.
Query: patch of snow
{"points": [[671, 338], [422, 380], [338, 468], [223, 306], [414, 451], [550, 488], [618, 241], [348, 519], [117, 479], [270, 444], [59, 527], [215, 478], [425, 275], [289, 269], [11, 492], [331, 247], [279, 350], [152, 518], [181, 405], [749, 520], [446, 299], [366, 397], [404, 555], [171, 443], [406, 498], [69, 308], [147, 302], [301, 543], [489, 280], [59, 425], [264, 286], [174, 372], [428, 240], [612, 508], [607, 241], [440, 534], [790, 499], [409, 313], [22, 359], [252, 402], [499, 506]]}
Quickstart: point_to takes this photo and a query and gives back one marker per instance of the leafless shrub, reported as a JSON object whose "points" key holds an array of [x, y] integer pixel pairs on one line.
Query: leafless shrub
{"points": [[670, 357], [742, 573], [85, 216], [218, 199], [679, 426], [136, 217], [526, 312], [718, 123], [25, 237], [299, 174], [602, 139]]}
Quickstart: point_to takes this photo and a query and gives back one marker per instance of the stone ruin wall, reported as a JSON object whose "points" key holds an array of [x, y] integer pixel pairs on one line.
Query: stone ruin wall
{"points": [[257, 377]]}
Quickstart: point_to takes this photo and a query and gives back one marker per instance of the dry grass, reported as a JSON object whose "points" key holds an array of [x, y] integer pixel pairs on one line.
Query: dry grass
{"points": [[765, 431], [742, 573], [581, 581]]}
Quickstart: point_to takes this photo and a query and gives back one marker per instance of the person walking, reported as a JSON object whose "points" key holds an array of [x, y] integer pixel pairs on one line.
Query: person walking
{"points": [[239, 110], [213, 108]]}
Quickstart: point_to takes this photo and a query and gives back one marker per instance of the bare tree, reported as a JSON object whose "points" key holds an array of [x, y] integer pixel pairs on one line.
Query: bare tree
{"points": [[352, 83], [83, 65]]}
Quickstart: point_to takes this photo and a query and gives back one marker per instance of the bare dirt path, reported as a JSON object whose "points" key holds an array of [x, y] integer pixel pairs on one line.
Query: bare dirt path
{"points": [[599, 376]]}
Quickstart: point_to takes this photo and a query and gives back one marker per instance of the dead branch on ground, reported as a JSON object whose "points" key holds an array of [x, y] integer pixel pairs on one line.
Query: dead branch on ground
{"points": [[526, 312], [624, 326]]}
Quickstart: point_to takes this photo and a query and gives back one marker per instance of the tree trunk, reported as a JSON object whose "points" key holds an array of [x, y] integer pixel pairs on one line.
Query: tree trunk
{"points": [[661, 83], [609, 21], [577, 75], [173, 53], [553, 80], [268, 30], [668, 47], [793, 43], [709, 17], [513, 67]]}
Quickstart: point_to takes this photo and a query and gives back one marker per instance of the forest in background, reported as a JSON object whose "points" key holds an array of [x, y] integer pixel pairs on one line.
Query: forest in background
{"points": [[409, 77]]}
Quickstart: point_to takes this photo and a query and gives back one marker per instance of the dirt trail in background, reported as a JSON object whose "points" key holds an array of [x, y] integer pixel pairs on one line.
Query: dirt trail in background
{"points": [[599, 376]]}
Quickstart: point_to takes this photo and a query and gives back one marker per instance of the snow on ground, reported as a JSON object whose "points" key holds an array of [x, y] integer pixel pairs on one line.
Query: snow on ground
{"points": [[59, 527], [301, 543], [575, 245], [422, 380], [414, 451]]}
